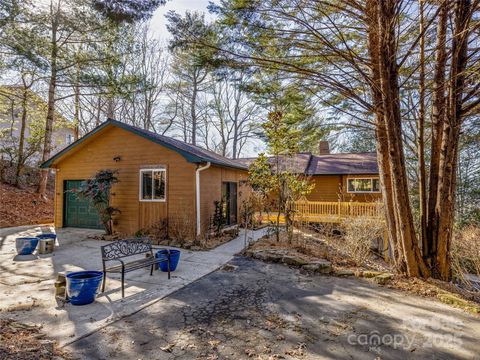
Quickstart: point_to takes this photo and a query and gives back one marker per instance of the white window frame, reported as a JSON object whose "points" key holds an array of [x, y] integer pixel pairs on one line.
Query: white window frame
{"points": [[371, 178], [140, 184]]}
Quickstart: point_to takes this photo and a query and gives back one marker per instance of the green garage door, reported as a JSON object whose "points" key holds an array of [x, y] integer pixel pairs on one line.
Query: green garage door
{"points": [[78, 211]]}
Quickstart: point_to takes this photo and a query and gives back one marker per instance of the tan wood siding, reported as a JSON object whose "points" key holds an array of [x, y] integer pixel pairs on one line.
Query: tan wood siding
{"points": [[150, 213], [334, 188], [97, 153], [211, 190], [327, 188]]}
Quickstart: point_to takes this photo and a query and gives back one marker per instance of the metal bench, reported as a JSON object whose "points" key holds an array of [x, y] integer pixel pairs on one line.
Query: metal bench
{"points": [[121, 249]]}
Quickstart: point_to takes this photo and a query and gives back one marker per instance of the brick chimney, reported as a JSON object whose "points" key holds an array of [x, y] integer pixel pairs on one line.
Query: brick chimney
{"points": [[324, 148]]}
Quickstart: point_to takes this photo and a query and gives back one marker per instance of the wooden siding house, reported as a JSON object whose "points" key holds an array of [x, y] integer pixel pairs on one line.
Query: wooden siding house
{"points": [[160, 180], [344, 177], [166, 181]]}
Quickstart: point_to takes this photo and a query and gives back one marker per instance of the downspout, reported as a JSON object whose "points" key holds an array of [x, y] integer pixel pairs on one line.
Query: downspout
{"points": [[197, 183]]}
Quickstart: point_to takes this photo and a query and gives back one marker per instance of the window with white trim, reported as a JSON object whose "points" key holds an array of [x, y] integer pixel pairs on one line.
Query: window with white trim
{"points": [[153, 184], [363, 185]]}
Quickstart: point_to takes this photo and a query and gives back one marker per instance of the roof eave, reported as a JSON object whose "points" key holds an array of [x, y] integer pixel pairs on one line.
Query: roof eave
{"points": [[349, 173], [189, 157]]}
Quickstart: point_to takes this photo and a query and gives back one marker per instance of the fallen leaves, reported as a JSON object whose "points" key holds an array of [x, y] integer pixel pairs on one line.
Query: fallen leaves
{"points": [[22, 206], [299, 350], [26, 342], [168, 347]]}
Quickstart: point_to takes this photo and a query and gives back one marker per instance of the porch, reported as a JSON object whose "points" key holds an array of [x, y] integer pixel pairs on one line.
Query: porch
{"points": [[328, 212]]}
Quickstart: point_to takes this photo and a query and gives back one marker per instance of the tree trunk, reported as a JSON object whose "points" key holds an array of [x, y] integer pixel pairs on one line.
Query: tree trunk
{"points": [[451, 134], [99, 111], [381, 135], [76, 104], [47, 144], [437, 119], [110, 107], [193, 108], [422, 181], [21, 143], [387, 48], [76, 115]]}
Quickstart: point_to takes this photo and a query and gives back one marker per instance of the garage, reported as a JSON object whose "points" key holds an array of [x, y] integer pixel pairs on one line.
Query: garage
{"points": [[79, 212]]}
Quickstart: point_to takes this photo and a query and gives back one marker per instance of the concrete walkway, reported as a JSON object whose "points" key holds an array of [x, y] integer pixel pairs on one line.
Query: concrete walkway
{"points": [[27, 282]]}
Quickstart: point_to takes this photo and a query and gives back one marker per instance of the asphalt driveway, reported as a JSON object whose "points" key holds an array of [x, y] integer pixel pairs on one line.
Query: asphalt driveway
{"points": [[253, 310]]}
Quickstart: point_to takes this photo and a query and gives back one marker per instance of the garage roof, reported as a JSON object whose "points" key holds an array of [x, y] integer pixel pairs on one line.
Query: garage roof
{"points": [[190, 152]]}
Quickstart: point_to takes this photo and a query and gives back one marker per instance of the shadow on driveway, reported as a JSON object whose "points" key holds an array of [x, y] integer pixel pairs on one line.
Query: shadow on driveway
{"points": [[270, 311]]}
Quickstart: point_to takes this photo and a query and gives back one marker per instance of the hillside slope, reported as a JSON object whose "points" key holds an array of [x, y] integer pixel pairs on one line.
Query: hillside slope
{"points": [[22, 206]]}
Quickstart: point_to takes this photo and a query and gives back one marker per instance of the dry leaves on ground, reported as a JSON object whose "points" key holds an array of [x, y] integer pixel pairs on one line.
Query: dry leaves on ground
{"points": [[23, 207], [23, 342]]}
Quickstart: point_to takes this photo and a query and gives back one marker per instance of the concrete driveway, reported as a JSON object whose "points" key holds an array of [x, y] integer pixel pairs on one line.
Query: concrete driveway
{"points": [[27, 282], [269, 311]]}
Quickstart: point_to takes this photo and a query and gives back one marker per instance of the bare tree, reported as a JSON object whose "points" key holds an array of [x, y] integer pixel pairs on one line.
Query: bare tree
{"points": [[189, 81], [233, 114], [149, 64]]}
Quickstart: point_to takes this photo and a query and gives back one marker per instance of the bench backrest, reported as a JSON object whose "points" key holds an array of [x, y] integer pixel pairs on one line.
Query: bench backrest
{"points": [[123, 248]]}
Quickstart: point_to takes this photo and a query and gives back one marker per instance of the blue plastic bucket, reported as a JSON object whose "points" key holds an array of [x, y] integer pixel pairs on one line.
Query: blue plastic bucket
{"points": [[174, 259], [82, 286], [26, 245], [47, 236]]}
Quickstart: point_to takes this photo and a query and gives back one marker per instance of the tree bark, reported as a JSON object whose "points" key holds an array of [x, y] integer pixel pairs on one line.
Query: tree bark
{"points": [[381, 135], [451, 133], [422, 180], [387, 18], [437, 120], [47, 144], [193, 107], [76, 104], [110, 106], [21, 142]]}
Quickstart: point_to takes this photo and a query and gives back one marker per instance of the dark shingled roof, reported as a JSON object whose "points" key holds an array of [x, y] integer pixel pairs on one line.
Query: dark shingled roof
{"points": [[343, 164], [329, 164], [196, 151], [190, 152], [296, 164]]}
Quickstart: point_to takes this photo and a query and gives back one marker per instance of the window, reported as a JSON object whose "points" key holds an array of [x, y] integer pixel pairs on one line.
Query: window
{"points": [[152, 185], [363, 185]]}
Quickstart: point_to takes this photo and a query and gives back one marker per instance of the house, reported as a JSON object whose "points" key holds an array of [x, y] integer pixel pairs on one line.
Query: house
{"points": [[161, 179], [344, 177], [166, 181], [11, 111]]}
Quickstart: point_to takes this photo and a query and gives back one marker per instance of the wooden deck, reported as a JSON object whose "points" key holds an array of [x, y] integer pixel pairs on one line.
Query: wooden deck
{"points": [[330, 212]]}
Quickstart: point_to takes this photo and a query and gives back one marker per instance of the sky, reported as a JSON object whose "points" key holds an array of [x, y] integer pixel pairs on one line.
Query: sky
{"points": [[158, 21]]}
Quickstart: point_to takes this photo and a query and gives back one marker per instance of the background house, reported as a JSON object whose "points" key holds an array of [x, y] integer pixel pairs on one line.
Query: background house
{"points": [[11, 111], [337, 177]]}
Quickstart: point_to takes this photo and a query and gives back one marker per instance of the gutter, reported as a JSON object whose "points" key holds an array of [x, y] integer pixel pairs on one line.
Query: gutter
{"points": [[197, 193]]}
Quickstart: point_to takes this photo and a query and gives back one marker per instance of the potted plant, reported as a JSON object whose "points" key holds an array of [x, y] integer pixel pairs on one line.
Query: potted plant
{"points": [[174, 259], [26, 245], [82, 286]]}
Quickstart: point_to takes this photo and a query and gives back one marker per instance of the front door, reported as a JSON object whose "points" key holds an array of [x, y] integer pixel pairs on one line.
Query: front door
{"points": [[229, 197], [79, 212]]}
